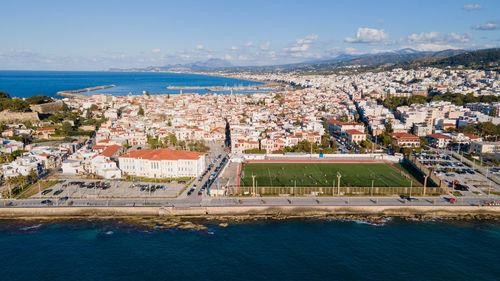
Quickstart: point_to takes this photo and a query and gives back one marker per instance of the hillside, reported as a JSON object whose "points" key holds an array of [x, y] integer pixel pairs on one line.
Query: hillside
{"points": [[487, 59]]}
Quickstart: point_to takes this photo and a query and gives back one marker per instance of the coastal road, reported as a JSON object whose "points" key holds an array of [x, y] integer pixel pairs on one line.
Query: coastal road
{"points": [[253, 201]]}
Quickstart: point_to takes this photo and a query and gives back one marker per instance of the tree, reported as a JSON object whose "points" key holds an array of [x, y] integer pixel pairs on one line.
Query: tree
{"points": [[365, 144], [388, 126], [386, 139], [172, 139], [493, 111], [141, 111], [66, 128], [325, 141], [40, 99], [93, 108], [65, 107], [4, 95], [33, 175], [488, 129]]}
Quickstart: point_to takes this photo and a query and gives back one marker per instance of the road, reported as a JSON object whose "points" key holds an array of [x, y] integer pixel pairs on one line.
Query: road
{"points": [[195, 201]]}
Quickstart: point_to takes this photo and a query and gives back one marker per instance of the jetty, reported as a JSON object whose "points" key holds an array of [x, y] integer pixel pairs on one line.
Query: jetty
{"points": [[76, 93], [223, 88]]}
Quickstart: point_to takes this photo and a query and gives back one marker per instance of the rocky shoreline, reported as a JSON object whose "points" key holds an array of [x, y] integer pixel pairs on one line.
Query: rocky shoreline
{"points": [[201, 223]]}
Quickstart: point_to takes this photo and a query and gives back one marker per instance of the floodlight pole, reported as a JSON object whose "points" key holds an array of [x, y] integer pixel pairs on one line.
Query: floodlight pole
{"points": [[253, 185], [372, 189], [425, 183], [333, 188], [411, 187], [295, 188], [338, 182]]}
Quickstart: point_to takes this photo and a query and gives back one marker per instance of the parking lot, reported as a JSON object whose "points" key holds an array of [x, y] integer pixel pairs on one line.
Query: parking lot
{"points": [[110, 189], [456, 174]]}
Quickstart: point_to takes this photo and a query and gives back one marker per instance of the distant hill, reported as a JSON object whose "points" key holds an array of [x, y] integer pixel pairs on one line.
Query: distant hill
{"points": [[488, 59]]}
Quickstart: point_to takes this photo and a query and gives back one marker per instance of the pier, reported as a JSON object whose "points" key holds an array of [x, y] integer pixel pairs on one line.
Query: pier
{"points": [[223, 88], [75, 93]]}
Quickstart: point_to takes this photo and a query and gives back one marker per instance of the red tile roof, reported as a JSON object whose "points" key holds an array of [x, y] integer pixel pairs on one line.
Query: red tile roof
{"points": [[163, 154], [110, 150], [437, 136], [404, 136], [354, 132]]}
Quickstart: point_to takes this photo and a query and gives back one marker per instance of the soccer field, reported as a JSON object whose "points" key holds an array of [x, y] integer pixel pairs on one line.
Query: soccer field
{"points": [[324, 174]]}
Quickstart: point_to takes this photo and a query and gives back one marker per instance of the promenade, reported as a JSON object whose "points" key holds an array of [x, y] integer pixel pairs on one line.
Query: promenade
{"points": [[393, 206]]}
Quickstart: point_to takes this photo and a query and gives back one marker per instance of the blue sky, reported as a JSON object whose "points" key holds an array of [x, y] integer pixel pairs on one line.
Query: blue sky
{"points": [[94, 35]]}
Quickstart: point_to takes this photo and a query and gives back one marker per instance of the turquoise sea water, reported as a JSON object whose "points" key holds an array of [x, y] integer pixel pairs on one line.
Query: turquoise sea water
{"points": [[267, 250], [28, 83]]}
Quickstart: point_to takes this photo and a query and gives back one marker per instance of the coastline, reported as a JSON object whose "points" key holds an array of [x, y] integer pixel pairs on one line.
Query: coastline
{"points": [[251, 212]]}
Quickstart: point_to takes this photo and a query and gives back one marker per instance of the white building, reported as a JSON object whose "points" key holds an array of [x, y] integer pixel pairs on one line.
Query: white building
{"points": [[23, 166], [162, 163]]}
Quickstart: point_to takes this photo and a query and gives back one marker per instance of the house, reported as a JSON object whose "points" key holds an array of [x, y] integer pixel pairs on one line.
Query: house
{"points": [[405, 139], [111, 151], [271, 145], [239, 146], [72, 167], [438, 140], [44, 133], [23, 166], [162, 163], [103, 166], [335, 125], [355, 136]]}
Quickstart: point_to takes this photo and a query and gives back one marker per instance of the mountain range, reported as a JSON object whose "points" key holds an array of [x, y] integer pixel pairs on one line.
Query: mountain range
{"points": [[403, 58]]}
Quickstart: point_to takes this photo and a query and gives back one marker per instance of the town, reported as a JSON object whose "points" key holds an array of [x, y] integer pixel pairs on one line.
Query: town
{"points": [[443, 121]]}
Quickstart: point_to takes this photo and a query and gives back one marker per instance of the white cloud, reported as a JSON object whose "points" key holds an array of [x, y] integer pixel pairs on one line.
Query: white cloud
{"points": [[249, 44], [352, 51], [156, 50], [242, 58], [228, 57], [265, 46], [234, 48], [486, 26], [302, 44], [368, 35], [471, 7], [200, 47], [438, 38]]}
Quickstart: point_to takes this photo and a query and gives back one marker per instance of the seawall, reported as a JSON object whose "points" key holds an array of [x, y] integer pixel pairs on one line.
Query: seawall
{"points": [[246, 211]]}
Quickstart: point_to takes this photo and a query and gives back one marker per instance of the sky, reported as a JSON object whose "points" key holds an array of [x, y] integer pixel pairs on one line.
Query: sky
{"points": [[97, 35]]}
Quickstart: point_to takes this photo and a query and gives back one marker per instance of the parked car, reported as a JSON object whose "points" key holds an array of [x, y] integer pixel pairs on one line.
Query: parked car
{"points": [[46, 191]]}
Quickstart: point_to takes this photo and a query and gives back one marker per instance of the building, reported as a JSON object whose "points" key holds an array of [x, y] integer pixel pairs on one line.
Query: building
{"points": [[421, 130], [355, 136], [405, 139], [44, 133], [239, 146], [438, 140], [484, 147], [338, 126], [162, 163]]}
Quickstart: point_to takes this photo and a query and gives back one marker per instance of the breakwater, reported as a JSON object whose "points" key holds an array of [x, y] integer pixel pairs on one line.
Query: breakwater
{"points": [[75, 93]]}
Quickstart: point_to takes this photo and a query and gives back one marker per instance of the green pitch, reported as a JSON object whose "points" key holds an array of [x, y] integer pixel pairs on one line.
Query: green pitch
{"points": [[324, 174]]}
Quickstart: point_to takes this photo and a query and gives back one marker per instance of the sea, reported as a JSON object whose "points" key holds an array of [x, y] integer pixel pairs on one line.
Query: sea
{"points": [[307, 249], [29, 83], [258, 250]]}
